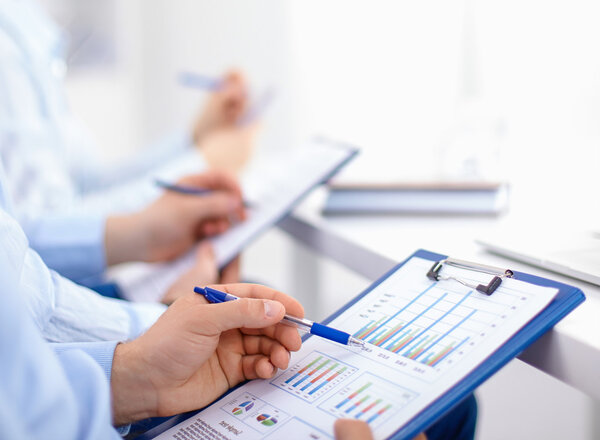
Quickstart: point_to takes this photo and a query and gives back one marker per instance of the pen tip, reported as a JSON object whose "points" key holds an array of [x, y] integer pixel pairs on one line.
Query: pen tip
{"points": [[356, 342]]}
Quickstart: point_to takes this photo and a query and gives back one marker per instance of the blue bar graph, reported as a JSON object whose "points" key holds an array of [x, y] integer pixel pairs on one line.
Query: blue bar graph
{"points": [[437, 321], [448, 332]]}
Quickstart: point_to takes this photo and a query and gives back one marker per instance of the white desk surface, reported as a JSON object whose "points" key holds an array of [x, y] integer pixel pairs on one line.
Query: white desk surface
{"points": [[371, 245]]}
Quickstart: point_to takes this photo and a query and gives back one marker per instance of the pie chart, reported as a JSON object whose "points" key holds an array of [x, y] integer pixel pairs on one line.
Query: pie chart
{"points": [[266, 419], [243, 407]]}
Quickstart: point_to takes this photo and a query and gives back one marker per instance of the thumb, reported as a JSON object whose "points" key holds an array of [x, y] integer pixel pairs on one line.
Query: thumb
{"points": [[245, 313], [218, 204]]}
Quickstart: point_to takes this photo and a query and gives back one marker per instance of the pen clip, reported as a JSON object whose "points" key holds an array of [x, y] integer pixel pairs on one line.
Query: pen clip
{"points": [[210, 297]]}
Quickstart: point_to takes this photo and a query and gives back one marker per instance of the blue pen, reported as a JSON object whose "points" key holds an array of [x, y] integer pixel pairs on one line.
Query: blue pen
{"points": [[205, 82], [182, 189], [189, 190], [216, 296], [199, 81]]}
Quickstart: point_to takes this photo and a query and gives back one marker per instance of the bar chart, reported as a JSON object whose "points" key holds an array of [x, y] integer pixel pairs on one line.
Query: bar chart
{"points": [[433, 326], [313, 376], [369, 398]]}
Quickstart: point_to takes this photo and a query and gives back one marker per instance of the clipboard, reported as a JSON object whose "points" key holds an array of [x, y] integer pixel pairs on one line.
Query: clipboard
{"points": [[567, 298]]}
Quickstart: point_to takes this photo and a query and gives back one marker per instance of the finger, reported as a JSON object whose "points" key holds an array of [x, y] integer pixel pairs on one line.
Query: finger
{"points": [[286, 334], [247, 290], [349, 429], [221, 225], [235, 92], [257, 366], [222, 181], [205, 251], [276, 352], [206, 264], [241, 313], [235, 76], [208, 229], [218, 204], [214, 179], [231, 272]]}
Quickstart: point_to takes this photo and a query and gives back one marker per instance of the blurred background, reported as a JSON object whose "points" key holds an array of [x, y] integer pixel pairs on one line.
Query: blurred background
{"points": [[433, 89]]}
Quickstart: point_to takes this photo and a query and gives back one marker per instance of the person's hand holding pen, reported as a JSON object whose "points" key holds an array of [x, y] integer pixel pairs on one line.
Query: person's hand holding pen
{"points": [[225, 106], [173, 223], [197, 351], [225, 129]]}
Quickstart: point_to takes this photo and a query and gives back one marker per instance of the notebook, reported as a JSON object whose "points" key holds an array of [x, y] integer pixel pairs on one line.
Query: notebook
{"points": [[576, 255], [433, 198]]}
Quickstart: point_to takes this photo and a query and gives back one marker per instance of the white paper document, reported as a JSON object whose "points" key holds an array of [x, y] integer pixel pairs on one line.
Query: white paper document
{"points": [[424, 337], [271, 188]]}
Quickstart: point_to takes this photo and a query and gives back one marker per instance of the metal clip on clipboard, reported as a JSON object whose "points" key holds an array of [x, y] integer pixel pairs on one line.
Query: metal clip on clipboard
{"points": [[499, 274]]}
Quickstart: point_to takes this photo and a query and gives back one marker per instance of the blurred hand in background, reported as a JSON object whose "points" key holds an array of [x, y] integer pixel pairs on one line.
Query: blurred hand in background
{"points": [[205, 271], [224, 138], [172, 224]]}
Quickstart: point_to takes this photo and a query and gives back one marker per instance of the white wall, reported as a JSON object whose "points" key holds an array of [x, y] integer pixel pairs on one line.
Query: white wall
{"points": [[431, 87], [211, 37]]}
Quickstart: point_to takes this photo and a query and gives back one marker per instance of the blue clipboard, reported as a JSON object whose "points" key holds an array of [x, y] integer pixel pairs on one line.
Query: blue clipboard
{"points": [[566, 300]]}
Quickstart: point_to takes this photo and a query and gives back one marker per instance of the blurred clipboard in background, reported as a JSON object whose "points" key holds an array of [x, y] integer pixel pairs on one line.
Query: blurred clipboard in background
{"points": [[437, 328], [419, 198], [272, 186]]}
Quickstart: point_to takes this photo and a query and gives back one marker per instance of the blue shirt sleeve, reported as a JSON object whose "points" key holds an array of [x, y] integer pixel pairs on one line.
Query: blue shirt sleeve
{"points": [[64, 311], [50, 160], [71, 244], [102, 352], [42, 395]]}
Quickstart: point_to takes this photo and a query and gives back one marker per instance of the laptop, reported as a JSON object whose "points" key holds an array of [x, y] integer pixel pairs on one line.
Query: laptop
{"points": [[576, 255]]}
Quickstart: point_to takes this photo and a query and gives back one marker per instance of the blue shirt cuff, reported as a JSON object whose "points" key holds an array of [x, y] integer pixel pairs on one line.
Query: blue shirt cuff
{"points": [[102, 352]]}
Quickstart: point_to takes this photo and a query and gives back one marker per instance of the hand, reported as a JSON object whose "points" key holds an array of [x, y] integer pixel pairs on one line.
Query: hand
{"points": [[223, 108], [174, 222], [229, 148], [203, 273], [231, 273], [350, 429], [197, 351]]}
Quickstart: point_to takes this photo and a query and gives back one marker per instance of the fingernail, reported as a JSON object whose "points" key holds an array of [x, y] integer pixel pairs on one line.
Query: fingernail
{"points": [[272, 308]]}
